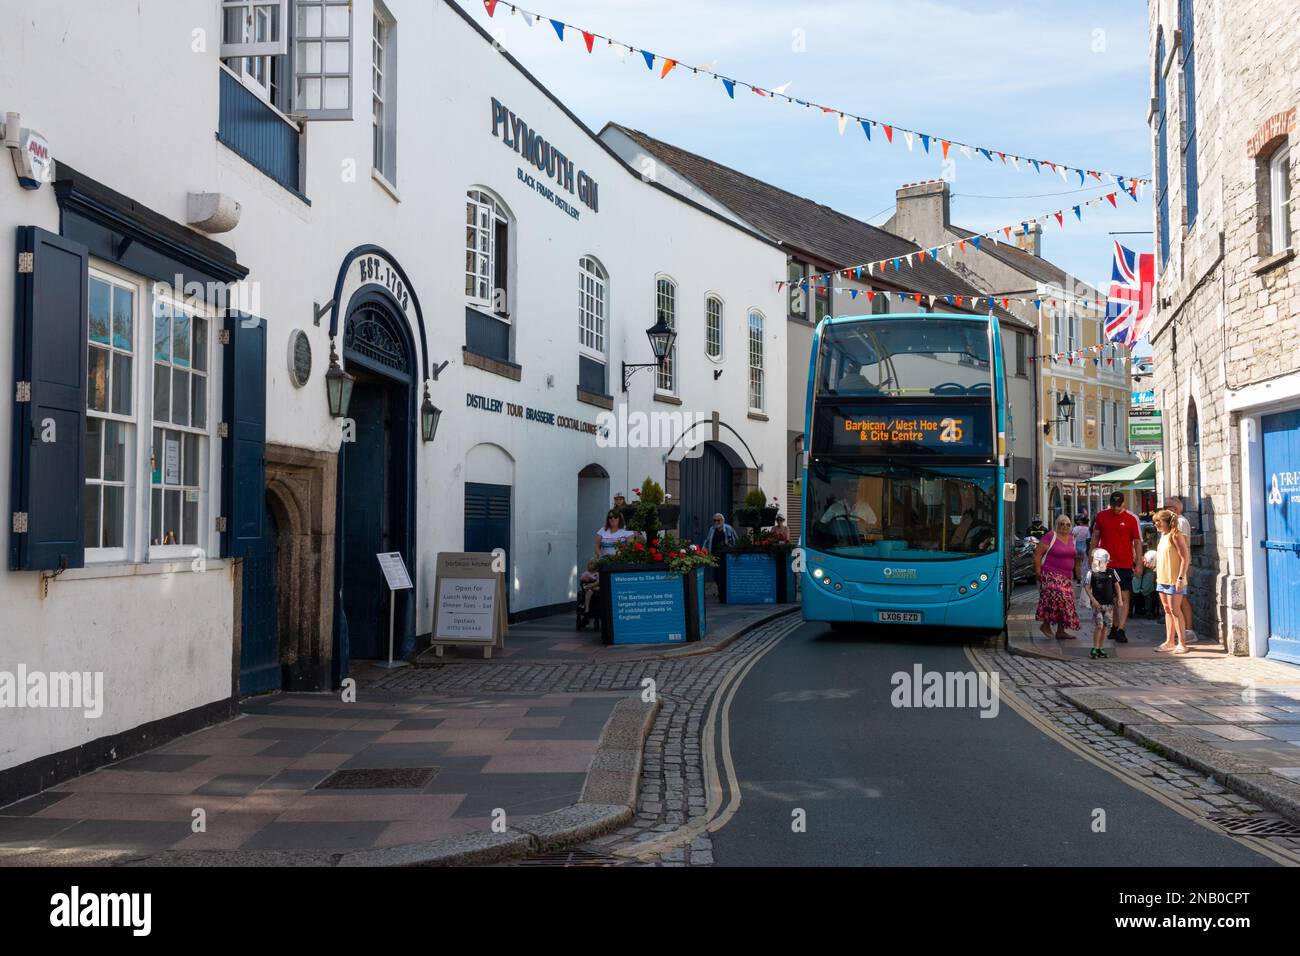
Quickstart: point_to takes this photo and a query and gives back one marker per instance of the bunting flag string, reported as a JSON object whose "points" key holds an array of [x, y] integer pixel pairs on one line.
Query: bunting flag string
{"points": [[952, 248], [1086, 304], [1126, 184]]}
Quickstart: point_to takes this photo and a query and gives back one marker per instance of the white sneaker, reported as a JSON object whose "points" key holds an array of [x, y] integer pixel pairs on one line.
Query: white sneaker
{"points": [[1189, 637]]}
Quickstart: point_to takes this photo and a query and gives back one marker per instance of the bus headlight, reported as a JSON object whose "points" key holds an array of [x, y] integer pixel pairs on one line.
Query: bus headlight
{"points": [[817, 573], [984, 577], [974, 585], [961, 590]]}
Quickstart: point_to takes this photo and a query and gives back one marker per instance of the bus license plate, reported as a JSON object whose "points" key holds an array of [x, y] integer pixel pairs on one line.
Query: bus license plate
{"points": [[898, 617]]}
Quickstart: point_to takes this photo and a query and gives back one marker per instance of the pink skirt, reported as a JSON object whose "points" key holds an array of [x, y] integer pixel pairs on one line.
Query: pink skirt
{"points": [[1056, 601]]}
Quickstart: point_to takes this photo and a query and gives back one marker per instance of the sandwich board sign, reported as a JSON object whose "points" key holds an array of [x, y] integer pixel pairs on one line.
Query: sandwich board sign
{"points": [[470, 603]]}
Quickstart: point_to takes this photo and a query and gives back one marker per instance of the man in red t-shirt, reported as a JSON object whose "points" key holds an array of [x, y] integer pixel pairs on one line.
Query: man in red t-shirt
{"points": [[1116, 529]]}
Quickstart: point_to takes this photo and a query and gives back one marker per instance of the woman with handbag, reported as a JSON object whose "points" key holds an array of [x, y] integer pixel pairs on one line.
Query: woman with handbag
{"points": [[1054, 566]]}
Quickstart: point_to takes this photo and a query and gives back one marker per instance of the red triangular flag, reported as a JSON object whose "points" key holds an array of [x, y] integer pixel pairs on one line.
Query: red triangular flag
{"points": [[590, 38], [1060, 220], [889, 133], [1007, 230], [1003, 157], [668, 66], [1111, 197], [917, 297], [870, 294], [491, 6], [1006, 303], [959, 300], [946, 144], [922, 254]]}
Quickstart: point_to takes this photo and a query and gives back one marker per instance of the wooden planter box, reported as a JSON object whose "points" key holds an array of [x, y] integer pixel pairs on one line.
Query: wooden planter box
{"points": [[754, 518], [757, 577], [644, 604]]}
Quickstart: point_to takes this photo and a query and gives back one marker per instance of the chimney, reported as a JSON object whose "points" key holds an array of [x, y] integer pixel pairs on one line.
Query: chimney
{"points": [[921, 211], [1029, 237]]}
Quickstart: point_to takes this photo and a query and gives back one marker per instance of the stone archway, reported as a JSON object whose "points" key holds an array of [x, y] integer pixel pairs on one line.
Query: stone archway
{"points": [[300, 493]]}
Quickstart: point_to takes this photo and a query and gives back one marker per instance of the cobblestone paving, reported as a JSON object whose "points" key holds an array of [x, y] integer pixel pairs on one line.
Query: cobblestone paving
{"points": [[672, 772], [1037, 683]]}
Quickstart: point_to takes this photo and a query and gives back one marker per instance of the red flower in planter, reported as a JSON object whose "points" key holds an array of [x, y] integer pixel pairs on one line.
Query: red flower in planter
{"points": [[659, 557], [639, 546], [654, 540]]}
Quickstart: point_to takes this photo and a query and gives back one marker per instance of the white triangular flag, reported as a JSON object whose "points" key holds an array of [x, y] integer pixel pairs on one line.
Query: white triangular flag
{"points": [[907, 135], [843, 122], [965, 151]]}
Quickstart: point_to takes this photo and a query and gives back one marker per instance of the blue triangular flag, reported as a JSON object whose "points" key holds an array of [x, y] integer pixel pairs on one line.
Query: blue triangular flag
{"points": [[853, 293], [731, 87], [1038, 303], [896, 261], [987, 154], [934, 253], [559, 28], [949, 300], [649, 59], [1078, 213], [976, 241], [866, 128], [1080, 172], [1037, 168], [900, 297], [925, 141], [804, 285]]}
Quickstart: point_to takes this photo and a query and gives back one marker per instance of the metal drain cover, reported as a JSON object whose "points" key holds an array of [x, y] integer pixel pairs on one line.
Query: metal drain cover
{"points": [[1260, 825], [576, 857], [391, 778]]}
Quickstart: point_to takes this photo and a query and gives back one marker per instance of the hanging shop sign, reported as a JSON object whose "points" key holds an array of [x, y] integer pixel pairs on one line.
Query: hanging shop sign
{"points": [[1143, 399], [544, 163]]}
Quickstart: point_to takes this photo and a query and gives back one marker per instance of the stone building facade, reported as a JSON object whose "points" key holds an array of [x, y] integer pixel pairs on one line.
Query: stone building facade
{"points": [[1223, 120]]}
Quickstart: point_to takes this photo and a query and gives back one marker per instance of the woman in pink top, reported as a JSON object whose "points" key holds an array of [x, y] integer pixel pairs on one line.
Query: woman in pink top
{"points": [[1054, 565]]}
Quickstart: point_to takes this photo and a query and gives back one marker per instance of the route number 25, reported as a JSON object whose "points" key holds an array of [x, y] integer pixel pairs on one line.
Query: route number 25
{"points": [[950, 430]]}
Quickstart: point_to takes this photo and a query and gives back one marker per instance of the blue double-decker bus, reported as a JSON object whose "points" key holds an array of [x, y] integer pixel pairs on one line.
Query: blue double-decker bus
{"points": [[904, 512]]}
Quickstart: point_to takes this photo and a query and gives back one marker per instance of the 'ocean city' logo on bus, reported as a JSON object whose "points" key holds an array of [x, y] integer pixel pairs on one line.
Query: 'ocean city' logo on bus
{"points": [[900, 572]]}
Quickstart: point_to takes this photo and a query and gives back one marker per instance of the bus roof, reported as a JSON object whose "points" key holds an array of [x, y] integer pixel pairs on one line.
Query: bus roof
{"points": [[962, 316]]}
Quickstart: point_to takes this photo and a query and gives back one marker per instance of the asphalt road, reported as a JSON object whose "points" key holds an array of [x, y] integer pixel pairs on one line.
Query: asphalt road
{"points": [[812, 727]]}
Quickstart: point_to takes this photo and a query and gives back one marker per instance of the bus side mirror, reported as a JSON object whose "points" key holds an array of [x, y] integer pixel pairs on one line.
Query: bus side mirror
{"points": [[1008, 491]]}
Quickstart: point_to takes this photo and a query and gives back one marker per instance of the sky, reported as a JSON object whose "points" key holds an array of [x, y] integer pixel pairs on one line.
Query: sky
{"points": [[1055, 80]]}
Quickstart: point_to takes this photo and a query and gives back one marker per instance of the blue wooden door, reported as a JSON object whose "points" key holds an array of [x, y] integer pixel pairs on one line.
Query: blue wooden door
{"points": [[706, 491], [259, 647], [367, 526], [487, 519], [1282, 533]]}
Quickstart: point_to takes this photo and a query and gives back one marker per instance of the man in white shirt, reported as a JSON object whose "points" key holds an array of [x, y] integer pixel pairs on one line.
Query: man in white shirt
{"points": [[1175, 504]]}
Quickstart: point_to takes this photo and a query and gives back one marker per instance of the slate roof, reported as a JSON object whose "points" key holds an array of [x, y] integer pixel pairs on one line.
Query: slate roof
{"points": [[805, 226]]}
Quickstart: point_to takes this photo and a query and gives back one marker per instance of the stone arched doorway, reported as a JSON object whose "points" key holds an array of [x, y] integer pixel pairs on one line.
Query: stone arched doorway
{"points": [[593, 503]]}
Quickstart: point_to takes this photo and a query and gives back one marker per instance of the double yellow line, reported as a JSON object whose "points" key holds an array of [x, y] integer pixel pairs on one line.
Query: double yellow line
{"points": [[715, 744]]}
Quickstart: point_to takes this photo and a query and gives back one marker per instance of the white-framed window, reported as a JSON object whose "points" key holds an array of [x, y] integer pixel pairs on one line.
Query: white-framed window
{"points": [[1075, 430], [253, 42], [756, 360], [666, 309], [1279, 198], [113, 307], [1104, 436], [322, 61], [1115, 431], [179, 450], [713, 327], [487, 252], [1073, 331], [1058, 342], [593, 307], [383, 93]]}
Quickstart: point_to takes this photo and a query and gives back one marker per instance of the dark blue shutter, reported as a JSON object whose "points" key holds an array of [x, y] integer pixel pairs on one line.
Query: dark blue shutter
{"points": [[1191, 183], [243, 451], [48, 477]]}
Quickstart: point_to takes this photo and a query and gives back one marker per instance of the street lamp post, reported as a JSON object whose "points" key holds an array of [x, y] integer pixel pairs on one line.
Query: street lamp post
{"points": [[1064, 412], [661, 336]]}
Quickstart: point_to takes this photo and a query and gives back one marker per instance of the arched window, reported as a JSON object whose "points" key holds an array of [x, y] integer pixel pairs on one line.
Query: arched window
{"points": [[593, 307], [666, 309], [487, 252], [756, 360], [1162, 150], [1186, 23], [713, 327], [1192, 508]]}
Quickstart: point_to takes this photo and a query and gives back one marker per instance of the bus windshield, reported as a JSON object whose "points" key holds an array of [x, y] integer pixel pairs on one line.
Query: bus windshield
{"points": [[913, 357], [908, 512]]}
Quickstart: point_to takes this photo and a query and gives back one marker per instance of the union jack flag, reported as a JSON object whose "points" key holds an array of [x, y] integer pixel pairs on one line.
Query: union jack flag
{"points": [[1128, 305]]}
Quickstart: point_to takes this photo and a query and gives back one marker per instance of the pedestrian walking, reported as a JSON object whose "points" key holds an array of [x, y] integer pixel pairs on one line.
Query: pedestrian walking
{"points": [[1054, 566], [1101, 584], [1174, 503], [1172, 559], [608, 537], [1116, 530], [1081, 533]]}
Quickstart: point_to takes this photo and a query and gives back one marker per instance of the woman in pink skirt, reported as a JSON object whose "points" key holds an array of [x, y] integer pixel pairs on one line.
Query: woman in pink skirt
{"points": [[1054, 565]]}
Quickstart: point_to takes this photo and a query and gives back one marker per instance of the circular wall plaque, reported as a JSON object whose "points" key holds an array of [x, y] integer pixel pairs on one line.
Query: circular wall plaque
{"points": [[299, 357]]}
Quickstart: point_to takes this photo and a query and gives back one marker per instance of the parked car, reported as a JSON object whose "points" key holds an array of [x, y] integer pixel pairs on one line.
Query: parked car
{"points": [[1022, 558]]}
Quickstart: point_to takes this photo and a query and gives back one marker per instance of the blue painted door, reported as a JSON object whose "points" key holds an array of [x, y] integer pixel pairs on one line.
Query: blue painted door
{"points": [[368, 524], [706, 491], [487, 519], [259, 647], [1282, 533]]}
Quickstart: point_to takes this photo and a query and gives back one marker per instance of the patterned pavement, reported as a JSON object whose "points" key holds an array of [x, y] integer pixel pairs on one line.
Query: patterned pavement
{"points": [[258, 779]]}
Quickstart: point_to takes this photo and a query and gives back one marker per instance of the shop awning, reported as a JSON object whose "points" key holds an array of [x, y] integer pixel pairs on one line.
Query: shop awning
{"points": [[1141, 476]]}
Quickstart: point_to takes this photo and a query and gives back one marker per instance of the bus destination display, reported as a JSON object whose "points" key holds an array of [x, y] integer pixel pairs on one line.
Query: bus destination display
{"points": [[903, 429]]}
